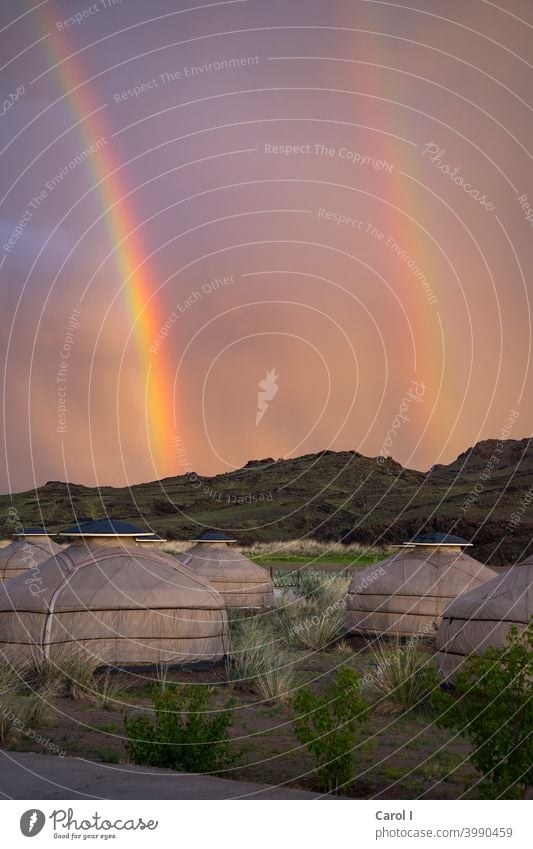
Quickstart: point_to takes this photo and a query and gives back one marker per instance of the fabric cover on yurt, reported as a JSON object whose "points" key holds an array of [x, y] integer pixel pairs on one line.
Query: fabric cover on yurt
{"points": [[240, 582], [125, 604], [154, 539], [406, 594], [484, 616], [30, 547]]}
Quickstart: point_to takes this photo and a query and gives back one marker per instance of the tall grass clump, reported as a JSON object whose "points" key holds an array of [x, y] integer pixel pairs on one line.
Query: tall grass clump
{"points": [[21, 707], [401, 677], [68, 672], [316, 620], [256, 662]]}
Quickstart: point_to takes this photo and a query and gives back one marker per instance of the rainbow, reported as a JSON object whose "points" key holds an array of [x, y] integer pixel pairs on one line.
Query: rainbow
{"points": [[139, 285]]}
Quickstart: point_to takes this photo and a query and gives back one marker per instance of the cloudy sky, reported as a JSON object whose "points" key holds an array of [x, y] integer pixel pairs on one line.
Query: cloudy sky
{"points": [[247, 229]]}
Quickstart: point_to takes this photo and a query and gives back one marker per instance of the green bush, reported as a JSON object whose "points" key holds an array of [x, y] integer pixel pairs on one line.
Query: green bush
{"points": [[328, 725], [493, 709], [182, 734]]}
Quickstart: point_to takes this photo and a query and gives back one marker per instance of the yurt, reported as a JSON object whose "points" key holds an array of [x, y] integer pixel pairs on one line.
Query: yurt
{"points": [[29, 548], [406, 594], [239, 581], [483, 617], [125, 604], [151, 539]]}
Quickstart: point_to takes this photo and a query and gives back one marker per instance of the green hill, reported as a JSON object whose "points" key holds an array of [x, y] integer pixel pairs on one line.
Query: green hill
{"points": [[486, 495]]}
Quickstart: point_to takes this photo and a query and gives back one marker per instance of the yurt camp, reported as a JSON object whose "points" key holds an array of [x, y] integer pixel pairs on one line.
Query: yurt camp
{"points": [[484, 616], [126, 604], [406, 594], [29, 548], [239, 581]]}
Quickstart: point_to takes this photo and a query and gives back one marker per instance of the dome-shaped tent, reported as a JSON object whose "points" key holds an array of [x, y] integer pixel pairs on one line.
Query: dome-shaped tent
{"points": [[151, 539], [30, 547], [406, 594], [125, 604], [484, 616], [240, 582]]}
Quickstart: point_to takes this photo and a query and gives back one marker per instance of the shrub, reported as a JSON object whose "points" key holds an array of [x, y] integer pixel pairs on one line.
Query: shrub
{"points": [[328, 726], [255, 662], [182, 734], [493, 708], [402, 677]]}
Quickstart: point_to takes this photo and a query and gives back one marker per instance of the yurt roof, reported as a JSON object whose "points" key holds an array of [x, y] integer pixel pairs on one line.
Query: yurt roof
{"points": [[225, 563], [105, 528], [212, 536], [110, 578], [150, 538], [437, 539], [419, 571], [506, 597], [32, 532]]}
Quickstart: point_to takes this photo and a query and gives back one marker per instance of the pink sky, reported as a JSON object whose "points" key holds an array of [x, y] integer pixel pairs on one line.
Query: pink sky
{"points": [[341, 195]]}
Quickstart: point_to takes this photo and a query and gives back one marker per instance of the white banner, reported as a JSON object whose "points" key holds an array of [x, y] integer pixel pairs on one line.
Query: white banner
{"points": [[235, 824]]}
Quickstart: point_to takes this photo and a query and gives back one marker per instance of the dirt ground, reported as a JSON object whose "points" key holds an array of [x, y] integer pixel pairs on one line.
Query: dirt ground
{"points": [[399, 756]]}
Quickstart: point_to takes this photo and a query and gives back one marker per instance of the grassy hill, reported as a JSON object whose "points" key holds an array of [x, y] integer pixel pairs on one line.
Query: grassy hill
{"points": [[485, 495]]}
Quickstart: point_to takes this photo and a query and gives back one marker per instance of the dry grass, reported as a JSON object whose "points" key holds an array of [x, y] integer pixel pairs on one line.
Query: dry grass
{"points": [[297, 547], [68, 672], [402, 677], [307, 548], [256, 664], [317, 619], [177, 546]]}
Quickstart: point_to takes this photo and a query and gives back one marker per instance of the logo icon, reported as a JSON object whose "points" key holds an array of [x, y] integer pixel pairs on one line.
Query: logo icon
{"points": [[32, 822], [267, 390]]}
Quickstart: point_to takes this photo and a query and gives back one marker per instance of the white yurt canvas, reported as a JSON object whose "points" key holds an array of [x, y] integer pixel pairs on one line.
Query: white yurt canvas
{"points": [[239, 581], [484, 616], [30, 547], [406, 594], [125, 604]]}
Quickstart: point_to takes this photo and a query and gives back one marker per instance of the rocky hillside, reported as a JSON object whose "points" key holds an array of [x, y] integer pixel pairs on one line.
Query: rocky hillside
{"points": [[485, 495]]}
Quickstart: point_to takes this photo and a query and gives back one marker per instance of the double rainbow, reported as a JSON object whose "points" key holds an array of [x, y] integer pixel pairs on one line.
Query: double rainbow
{"points": [[139, 285]]}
